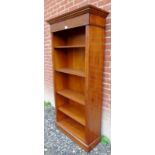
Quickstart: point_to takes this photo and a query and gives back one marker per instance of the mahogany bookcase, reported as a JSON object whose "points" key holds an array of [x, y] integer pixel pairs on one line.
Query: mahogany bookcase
{"points": [[78, 59]]}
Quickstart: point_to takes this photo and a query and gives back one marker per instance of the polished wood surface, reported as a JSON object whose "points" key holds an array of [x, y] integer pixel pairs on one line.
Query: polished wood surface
{"points": [[73, 95], [72, 46], [94, 72], [88, 9], [70, 37], [71, 71], [72, 59], [78, 54], [70, 109], [67, 81], [73, 128], [70, 23], [83, 16]]}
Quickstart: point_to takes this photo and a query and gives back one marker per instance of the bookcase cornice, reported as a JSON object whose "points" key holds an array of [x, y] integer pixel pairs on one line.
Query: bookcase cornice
{"points": [[80, 11]]}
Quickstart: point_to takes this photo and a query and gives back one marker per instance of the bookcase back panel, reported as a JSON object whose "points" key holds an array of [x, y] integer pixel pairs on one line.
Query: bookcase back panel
{"points": [[60, 58], [60, 116], [60, 100], [76, 83], [73, 58], [71, 82], [61, 81], [76, 59]]}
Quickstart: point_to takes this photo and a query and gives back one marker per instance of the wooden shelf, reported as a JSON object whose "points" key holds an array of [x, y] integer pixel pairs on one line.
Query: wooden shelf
{"points": [[77, 51], [74, 112], [73, 128], [73, 95], [71, 71], [71, 46]]}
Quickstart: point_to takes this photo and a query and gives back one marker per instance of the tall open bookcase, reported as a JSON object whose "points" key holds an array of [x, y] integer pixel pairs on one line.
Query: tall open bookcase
{"points": [[78, 58]]}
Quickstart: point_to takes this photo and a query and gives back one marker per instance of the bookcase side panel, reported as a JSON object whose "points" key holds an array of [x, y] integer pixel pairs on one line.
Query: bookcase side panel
{"points": [[94, 72]]}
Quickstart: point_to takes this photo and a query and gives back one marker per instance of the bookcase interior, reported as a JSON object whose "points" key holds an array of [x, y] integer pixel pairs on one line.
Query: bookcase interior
{"points": [[69, 72], [71, 37], [72, 109], [71, 82], [70, 60], [71, 127]]}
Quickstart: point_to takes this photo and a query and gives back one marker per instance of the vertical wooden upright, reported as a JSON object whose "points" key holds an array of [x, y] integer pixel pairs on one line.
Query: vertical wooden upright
{"points": [[78, 58]]}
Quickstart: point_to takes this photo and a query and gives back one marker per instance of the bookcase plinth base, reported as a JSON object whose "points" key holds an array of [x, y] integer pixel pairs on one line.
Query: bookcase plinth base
{"points": [[82, 144]]}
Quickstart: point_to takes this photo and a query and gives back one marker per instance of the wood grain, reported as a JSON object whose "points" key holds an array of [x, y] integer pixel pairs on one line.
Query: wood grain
{"points": [[73, 95], [71, 71], [94, 72], [87, 9], [71, 46], [71, 111], [73, 128], [78, 54]]}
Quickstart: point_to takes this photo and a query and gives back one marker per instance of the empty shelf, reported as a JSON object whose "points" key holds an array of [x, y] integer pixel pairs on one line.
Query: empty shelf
{"points": [[73, 95], [71, 46], [71, 71], [76, 113], [73, 128]]}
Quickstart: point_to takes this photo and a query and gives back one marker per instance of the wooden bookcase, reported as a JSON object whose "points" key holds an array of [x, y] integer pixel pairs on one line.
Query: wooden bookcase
{"points": [[78, 55]]}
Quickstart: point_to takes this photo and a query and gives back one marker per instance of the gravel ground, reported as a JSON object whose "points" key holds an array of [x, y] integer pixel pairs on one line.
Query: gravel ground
{"points": [[56, 143]]}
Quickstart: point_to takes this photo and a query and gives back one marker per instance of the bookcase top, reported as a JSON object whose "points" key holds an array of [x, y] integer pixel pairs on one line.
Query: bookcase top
{"points": [[90, 9]]}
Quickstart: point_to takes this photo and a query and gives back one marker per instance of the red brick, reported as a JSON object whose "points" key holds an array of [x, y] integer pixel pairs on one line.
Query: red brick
{"points": [[107, 46], [107, 64], [108, 40], [106, 91], [92, 1], [107, 75], [63, 2], [107, 7], [108, 20], [69, 5], [103, 2], [77, 1], [107, 69], [107, 33], [56, 7], [108, 27], [107, 57], [107, 86], [106, 96], [83, 3]]}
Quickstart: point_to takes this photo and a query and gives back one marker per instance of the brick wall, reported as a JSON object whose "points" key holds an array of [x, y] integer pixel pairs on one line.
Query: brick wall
{"points": [[54, 8]]}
